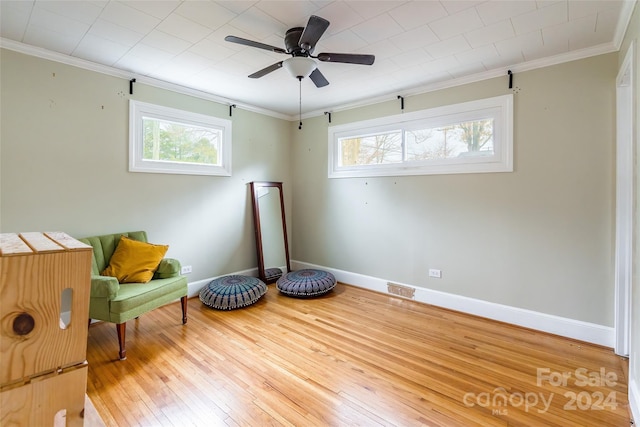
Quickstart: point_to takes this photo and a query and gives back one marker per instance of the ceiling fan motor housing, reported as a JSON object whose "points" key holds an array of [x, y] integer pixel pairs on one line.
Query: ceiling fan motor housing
{"points": [[291, 40]]}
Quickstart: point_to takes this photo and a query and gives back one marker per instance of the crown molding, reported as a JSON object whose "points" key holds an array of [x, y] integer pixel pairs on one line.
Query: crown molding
{"points": [[418, 90], [478, 77], [626, 13], [623, 22], [116, 72]]}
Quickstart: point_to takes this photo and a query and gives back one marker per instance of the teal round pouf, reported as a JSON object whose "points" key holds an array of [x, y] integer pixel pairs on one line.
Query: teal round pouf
{"points": [[235, 291], [306, 283]]}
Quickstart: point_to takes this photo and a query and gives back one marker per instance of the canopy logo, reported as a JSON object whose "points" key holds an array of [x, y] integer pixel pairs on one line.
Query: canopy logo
{"points": [[499, 400]]}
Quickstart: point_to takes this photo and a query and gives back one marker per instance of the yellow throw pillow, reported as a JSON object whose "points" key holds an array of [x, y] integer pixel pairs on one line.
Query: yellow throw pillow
{"points": [[134, 261]]}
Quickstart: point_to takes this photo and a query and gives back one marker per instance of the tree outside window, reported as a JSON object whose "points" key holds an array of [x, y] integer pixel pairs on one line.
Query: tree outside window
{"points": [[445, 142], [470, 137], [168, 141]]}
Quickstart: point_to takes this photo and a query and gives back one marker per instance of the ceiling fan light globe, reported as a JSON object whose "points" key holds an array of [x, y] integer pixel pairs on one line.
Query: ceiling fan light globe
{"points": [[299, 66]]}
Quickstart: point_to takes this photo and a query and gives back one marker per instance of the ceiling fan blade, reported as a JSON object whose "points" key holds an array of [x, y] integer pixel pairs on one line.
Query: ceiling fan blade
{"points": [[349, 58], [312, 32], [266, 70], [318, 78], [240, 40]]}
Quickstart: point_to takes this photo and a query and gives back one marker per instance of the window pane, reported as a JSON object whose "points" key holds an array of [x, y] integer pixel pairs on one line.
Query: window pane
{"points": [[176, 142], [371, 149], [473, 138], [469, 137]]}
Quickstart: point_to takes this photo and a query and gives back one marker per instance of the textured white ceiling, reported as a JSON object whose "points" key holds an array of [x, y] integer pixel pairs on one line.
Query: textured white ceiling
{"points": [[417, 44]]}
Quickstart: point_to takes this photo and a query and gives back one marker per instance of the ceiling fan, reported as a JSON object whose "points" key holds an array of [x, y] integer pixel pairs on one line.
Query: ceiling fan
{"points": [[299, 43]]}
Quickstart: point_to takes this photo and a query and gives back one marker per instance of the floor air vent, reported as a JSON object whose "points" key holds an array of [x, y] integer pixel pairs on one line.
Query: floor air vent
{"points": [[403, 291]]}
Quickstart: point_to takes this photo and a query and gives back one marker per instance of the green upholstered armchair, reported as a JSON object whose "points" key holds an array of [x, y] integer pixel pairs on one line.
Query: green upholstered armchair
{"points": [[115, 302]]}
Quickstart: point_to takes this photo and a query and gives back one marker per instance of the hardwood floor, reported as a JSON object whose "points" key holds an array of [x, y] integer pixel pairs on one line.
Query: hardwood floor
{"points": [[352, 357]]}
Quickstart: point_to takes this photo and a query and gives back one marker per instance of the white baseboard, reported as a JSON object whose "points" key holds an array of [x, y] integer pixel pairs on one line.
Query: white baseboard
{"points": [[634, 400], [570, 328]]}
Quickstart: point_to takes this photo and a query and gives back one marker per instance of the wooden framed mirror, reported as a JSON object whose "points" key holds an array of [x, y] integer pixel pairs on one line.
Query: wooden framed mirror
{"points": [[270, 230]]}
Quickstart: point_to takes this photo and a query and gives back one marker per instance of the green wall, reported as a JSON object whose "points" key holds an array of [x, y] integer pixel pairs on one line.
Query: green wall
{"points": [[64, 160], [539, 238]]}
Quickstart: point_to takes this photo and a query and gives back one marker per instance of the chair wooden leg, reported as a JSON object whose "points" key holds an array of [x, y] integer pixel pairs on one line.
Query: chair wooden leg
{"points": [[183, 302], [122, 330]]}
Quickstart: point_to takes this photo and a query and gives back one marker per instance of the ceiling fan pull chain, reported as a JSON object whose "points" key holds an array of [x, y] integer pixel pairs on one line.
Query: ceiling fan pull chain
{"points": [[300, 102]]}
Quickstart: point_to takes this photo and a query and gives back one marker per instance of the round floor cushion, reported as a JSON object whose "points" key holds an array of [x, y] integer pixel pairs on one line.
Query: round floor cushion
{"points": [[272, 274], [235, 291], [306, 283]]}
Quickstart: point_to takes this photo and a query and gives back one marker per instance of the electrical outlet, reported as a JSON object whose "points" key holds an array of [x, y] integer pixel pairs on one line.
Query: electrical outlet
{"points": [[186, 269], [435, 273]]}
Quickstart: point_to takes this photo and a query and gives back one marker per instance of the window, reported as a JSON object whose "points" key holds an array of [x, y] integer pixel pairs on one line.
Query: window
{"points": [[471, 137], [166, 140]]}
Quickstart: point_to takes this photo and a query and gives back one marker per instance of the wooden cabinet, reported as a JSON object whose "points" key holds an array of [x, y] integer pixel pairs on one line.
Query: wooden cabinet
{"points": [[44, 308]]}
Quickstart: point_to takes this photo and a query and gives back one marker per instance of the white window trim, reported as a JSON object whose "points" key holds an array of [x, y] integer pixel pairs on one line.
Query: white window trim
{"points": [[138, 110], [500, 108]]}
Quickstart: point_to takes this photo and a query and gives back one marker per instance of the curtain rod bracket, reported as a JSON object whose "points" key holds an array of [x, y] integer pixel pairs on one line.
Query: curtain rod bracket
{"points": [[329, 114], [510, 79], [131, 82], [401, 98], [231, 107]]}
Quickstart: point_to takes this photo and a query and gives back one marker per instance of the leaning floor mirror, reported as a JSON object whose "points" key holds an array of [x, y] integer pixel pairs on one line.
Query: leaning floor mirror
{"points": [[270, 229]]}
